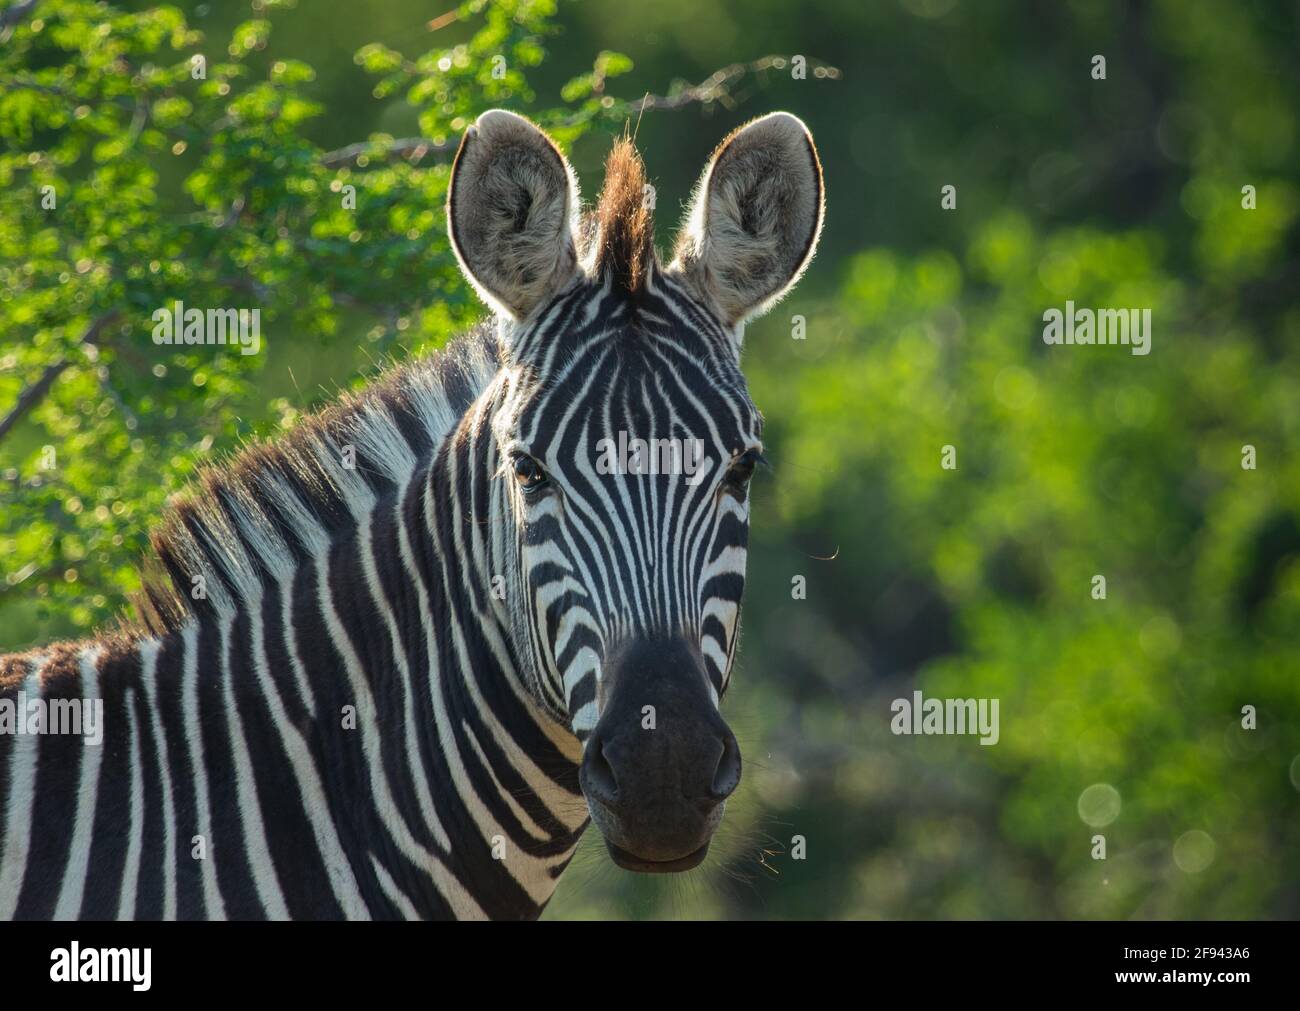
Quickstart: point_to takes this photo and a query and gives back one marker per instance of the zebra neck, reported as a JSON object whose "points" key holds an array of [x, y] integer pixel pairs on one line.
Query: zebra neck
{"points": [[509, 766], [339, 731]]}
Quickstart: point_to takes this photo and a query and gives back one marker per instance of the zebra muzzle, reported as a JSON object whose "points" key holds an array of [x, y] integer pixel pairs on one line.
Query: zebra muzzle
{"points": [[661, 761]]}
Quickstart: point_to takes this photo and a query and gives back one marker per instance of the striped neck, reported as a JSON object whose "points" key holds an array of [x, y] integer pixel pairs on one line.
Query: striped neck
{"points": [[515, 760], [345, 735]]}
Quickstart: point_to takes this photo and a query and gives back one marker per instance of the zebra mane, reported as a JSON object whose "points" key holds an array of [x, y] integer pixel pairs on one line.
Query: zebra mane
{"points": [[623, 239], [249, 521]]}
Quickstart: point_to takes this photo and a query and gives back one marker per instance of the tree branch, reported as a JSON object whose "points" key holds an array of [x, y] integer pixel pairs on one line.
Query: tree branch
{"points": [[10, 16], [38, 390], [33, 395], [414, 148], [714, 88]]}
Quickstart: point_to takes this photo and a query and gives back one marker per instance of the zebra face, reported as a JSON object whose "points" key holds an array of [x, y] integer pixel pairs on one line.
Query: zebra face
{"points": [[624, 440]]}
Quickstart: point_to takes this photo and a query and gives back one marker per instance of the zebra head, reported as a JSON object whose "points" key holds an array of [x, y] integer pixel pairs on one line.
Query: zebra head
{"points": [[623, 439]]}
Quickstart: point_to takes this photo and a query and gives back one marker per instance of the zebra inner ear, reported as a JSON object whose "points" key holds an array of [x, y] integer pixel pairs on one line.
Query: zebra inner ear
{"points": [[511, 212], [755, 218]]}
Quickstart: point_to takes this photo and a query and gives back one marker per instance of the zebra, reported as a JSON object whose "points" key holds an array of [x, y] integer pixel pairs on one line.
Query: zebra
{"points": [[391, 664]]}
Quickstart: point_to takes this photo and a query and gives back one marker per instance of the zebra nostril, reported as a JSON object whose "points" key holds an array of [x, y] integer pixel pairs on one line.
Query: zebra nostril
{"points": [[726, 777], [600, 774]]}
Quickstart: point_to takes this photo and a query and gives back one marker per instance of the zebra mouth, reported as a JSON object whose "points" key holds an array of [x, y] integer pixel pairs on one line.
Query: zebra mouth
{"points": [[632, 862]]}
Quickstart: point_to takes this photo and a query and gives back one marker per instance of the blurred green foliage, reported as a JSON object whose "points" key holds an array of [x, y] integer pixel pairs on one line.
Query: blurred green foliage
{"points": [[1120, 717]]}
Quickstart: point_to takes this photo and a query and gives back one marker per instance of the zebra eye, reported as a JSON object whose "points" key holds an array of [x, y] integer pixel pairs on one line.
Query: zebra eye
{"points": [[742, 469], [528, 473]]}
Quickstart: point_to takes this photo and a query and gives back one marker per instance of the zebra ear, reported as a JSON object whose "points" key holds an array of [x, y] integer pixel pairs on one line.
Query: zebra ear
{"points": [[754, 219], [512, 212]]}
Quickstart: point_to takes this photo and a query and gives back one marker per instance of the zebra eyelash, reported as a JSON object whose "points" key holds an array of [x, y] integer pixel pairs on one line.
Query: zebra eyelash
{"points": [[737, 484], [508, 456]]}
